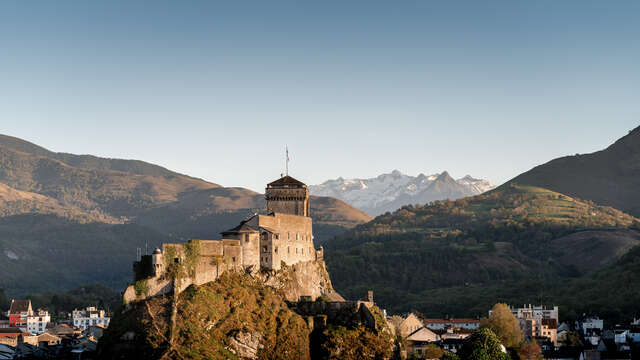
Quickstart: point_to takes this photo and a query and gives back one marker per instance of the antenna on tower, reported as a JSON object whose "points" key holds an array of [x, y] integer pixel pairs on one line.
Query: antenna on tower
{"points": [[287, 160]]}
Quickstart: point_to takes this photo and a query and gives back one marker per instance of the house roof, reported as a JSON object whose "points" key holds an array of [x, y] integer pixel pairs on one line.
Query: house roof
{"points": [[243, 227], [435, 321], [286, 180], [62, 329], [464, 321], [19, 306], [423, 334], [11, 330], [268, 229], [46, 335]]}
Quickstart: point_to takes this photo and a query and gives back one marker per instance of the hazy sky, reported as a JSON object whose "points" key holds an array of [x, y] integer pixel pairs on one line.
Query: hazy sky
{"points": [[217, 89]]}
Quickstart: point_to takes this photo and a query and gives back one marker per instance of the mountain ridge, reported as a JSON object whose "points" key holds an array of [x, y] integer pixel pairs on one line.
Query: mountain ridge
{"points": [[388, 192], [609, 177]]}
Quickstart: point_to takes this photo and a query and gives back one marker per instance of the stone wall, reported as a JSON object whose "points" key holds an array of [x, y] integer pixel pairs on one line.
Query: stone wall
{"points": [[294, 241], [343, 313], [293, 201]]}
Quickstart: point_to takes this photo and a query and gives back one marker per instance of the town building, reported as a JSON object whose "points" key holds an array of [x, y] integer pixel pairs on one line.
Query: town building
{"points": [[443, 324], [409, 325], [534, 312], [19, 311], [37, 322], [537, 322], [418, 340], [590, 325], [84, 318], [10, 336]]}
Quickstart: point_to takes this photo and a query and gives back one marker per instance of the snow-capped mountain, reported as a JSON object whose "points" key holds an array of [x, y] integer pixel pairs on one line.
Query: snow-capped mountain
{"points": [[388, 192]]}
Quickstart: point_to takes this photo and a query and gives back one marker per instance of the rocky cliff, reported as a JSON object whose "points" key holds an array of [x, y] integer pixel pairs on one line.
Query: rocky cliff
{"points": [[245, 316]]}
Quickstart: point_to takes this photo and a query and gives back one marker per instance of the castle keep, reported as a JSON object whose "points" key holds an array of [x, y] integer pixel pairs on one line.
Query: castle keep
{"points": [[283, 236]]}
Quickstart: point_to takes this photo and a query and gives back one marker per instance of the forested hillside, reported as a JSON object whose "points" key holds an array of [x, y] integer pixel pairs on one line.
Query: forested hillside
{"points": [[459, 257]]}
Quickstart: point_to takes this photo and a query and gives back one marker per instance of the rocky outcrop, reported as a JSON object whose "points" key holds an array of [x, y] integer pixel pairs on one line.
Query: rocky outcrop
{"points": [[308, 280]]}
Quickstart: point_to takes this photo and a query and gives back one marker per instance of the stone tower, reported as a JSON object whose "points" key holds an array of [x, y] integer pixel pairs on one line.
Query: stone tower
{"points": [[287, 196]]}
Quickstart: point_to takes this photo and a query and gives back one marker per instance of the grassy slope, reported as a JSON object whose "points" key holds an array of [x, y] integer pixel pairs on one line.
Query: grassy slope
{"points": [[609, 177], [459, 257]]}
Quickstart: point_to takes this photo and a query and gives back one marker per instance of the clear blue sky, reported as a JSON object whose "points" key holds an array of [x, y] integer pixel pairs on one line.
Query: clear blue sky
{"points": [[216, 89]]}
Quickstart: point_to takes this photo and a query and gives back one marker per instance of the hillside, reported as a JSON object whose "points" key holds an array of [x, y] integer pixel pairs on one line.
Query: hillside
{"points": [[388, 192], [608, 177], [68, 220], [430, 257], [88, 162]]}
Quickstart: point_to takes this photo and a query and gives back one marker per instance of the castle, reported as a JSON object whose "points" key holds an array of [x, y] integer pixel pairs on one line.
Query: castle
{"points": [[284, 236]]}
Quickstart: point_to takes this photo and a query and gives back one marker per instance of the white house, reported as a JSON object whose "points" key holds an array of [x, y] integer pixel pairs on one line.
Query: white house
{"points": [[90, 316], [591, 325], [37, 322]]}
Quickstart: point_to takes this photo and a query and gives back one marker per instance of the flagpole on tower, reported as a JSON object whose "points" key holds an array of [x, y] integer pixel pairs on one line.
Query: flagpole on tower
{"points": [[287, 160]]}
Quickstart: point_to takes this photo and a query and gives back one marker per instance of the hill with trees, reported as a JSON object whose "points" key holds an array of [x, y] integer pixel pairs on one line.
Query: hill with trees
{"points": [[513, 244]]}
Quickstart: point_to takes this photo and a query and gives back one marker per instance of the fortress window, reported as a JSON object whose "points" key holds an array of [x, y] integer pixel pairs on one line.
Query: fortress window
{"points": [[277, 237], [296, 250], [303, 250], [288, 250], [264, 249], [288, 236], [246, 237], [296, 236], [233, 259], [275, 250]]}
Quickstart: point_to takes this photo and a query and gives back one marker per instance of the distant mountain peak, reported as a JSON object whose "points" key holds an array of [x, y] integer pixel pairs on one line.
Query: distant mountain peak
{"points": [[390, 191]]}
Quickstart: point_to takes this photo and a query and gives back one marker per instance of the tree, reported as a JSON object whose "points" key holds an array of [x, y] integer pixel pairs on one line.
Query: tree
{"points": [[432, 351], [530, 351], [504, 325], [449, 356], [4, 301], [482, 345], [570, 338]]}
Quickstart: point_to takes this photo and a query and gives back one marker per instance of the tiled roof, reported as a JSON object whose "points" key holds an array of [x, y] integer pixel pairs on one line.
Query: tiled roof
{"points": [[286, 180], [462, 321], [19, 306], [10, 330], [435, 321]]}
